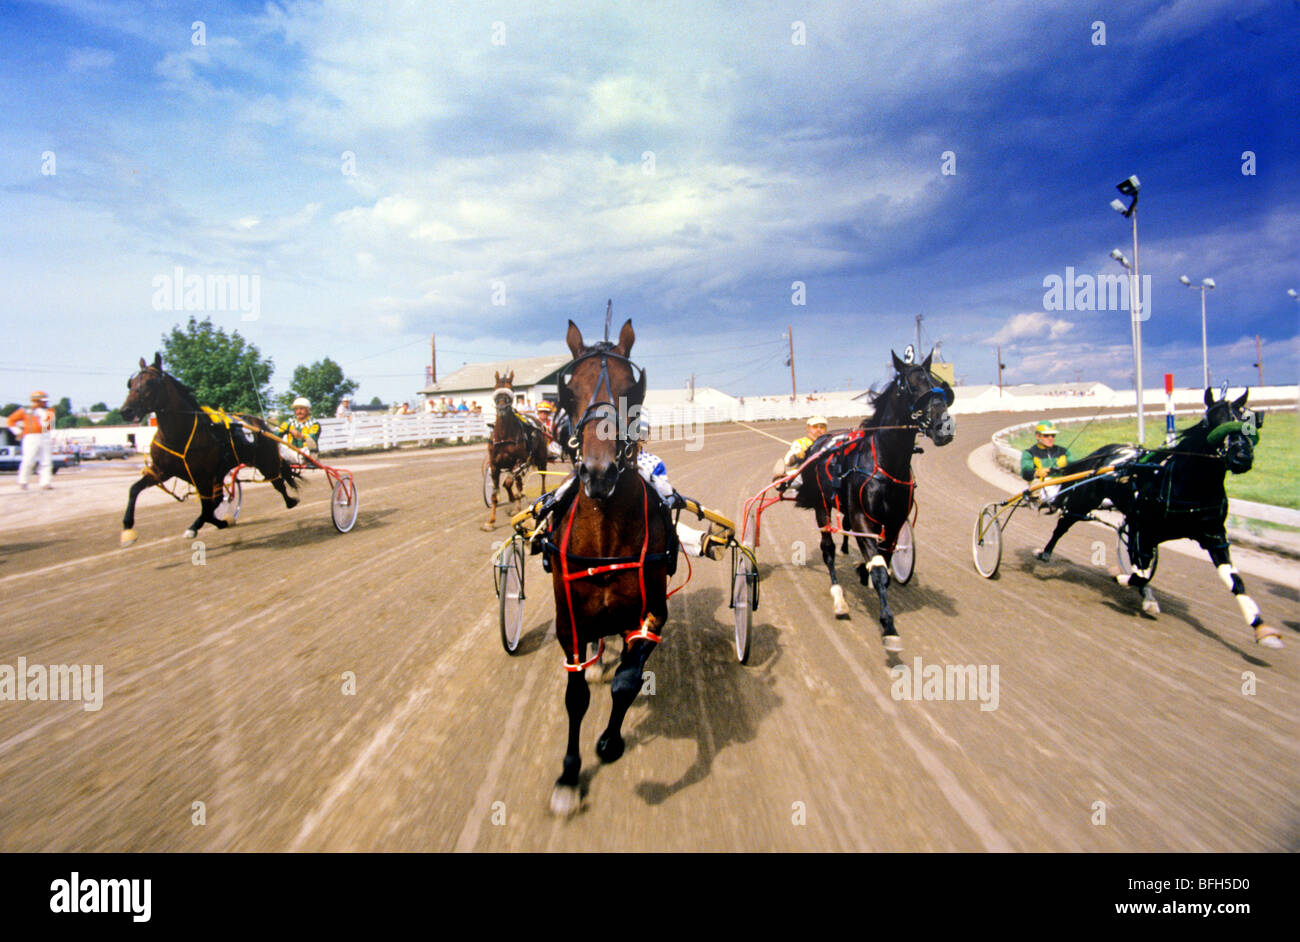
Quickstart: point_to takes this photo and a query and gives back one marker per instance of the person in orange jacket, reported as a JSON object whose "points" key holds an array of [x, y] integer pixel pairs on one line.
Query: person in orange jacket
{"points": [[36, 427]]}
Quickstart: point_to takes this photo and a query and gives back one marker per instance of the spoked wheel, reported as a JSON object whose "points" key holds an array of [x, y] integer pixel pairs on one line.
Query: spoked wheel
{"points": [[233, 499], [986, 542], [744, 599], [510, 592], [1122, 557], [344, 504], [487, 483], [903, 563]]}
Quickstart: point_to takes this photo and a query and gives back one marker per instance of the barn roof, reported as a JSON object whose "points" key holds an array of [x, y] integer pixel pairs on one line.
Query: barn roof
{"points": [[529, 371]]}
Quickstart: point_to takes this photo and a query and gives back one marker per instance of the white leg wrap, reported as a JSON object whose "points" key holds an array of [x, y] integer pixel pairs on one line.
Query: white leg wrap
{"points": [[1248, 608], [1142, 573], [837, 596], [1226, 572], [877, 560]]}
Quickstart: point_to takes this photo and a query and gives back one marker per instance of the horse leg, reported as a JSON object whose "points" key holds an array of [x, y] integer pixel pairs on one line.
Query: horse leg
{"points": [[1142, 558], [565, 797], [875, 572], [129, 535], [828, 557], [1265, 635], [1062, 525], [289, 501], [623, 690], [207, 514]]}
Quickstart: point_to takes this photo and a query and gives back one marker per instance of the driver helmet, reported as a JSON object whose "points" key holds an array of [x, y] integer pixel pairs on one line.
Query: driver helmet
{"points": [[1045, 428], [545, 406], [816, 420], [38, 396], [302, 402]]}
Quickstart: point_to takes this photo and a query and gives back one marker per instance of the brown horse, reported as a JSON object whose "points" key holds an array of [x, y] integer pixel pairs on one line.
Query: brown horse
{"points": [[192, 447], [609, 546], [517, 443]]}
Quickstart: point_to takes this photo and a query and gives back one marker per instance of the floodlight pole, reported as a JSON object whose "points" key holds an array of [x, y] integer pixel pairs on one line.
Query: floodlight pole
{"points": [[1135, 304]]}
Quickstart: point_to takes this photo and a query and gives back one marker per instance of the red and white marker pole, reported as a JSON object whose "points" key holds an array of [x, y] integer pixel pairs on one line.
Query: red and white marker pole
{"points": [[1169, 408]]}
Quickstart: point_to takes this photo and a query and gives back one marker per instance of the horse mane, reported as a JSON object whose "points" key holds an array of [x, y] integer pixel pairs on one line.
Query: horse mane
{"points": [[884, 405], [186, 393]]}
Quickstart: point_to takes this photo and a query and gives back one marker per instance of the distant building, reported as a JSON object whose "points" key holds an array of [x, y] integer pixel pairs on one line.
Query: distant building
{"points": [[535, 379]]}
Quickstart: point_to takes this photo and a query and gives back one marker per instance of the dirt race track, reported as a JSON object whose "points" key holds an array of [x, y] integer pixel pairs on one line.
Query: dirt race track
{"points": [[224, 684]]}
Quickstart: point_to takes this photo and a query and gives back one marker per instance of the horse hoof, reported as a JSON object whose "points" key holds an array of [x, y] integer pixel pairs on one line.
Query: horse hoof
{"points": [[841, 606], [291, 502], [190, 534], [893, 643], [609, 748], [488, 527], [1267, 637], [1151, 606], [128, 537], [565, 801], [1043, 557], [1121, 578]]}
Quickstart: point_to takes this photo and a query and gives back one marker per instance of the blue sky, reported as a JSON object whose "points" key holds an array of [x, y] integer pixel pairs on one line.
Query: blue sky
{"points": [[514, 165]]}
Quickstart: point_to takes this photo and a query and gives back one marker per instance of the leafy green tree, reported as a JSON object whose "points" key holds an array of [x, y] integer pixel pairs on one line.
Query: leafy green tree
{"points": [[323, 383], [113, 418], [62, 410], [66, 421], [10, 409], [99, 407], [375, 403], [222, 371]]}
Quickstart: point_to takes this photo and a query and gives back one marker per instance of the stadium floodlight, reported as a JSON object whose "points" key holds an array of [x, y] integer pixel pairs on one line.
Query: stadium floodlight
{"points": [[1207, 284]]}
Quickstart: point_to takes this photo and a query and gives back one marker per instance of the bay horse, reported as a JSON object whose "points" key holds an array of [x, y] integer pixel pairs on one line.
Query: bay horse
{"points": [[608, 546], [190, 446], [1170, 493], [867, 475], [517, 443]]}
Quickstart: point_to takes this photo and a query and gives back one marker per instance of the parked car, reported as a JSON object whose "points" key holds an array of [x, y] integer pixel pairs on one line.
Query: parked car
{"points": [[104, 452], [11, 457]]}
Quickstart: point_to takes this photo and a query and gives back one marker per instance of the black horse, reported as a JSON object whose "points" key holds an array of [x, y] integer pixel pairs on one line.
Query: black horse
{"points": [[191, 446], [867, 475], [1172, 493]]}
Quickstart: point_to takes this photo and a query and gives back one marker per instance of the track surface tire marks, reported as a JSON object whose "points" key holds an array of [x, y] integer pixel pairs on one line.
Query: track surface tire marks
{"points": [[226, 685]]}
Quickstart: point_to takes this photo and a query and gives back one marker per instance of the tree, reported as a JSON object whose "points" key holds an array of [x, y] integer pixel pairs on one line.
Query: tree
{"points": [[99, 407], [113, 418], [222, 371], [66, 421], [323, 383], [63, 409], [10, 409], [375, 403]]}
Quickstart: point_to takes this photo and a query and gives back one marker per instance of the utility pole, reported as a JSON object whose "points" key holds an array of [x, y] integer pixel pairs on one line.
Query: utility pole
{"points": [[691, 398], [1259, 360], [919, 356], [433, 358], [1000, 365], [790, 335]]}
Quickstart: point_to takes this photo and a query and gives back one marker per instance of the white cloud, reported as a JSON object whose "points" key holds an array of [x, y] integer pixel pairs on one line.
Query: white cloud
{"points": [[1032, 326]]}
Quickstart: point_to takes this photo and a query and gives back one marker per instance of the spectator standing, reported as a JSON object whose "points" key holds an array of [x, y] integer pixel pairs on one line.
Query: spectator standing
{"points": [[36, 426]]}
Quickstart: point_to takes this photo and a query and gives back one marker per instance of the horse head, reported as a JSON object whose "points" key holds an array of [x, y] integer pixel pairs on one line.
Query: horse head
{"points": [[602, 391], [924, 399], [146, 391], [503, 395], [1232, 430]]}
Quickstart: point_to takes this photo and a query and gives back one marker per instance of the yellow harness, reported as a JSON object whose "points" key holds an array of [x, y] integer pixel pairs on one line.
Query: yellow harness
{"points": [[217, 417]]}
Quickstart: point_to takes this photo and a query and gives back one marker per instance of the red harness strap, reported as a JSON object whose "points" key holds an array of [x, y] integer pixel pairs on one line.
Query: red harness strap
{"points": [[637, 634]]}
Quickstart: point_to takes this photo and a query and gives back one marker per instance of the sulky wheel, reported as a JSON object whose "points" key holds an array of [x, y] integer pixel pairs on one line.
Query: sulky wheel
{"points": [[344, 504], [510, 592], [744, 599], [903, 561], [487, 483], [986, 542]]}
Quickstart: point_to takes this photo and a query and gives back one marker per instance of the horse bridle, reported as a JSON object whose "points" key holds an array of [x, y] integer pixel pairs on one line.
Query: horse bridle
{"points": [[598, 408], [919, 406]]}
